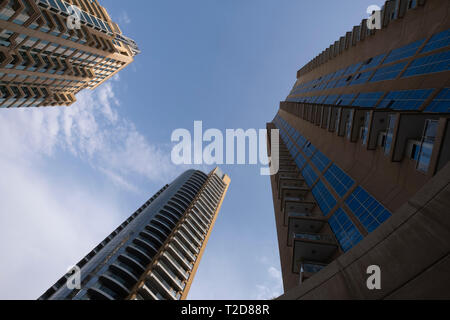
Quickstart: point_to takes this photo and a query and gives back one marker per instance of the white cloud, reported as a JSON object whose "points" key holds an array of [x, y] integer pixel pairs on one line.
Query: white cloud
{"points": [[49, 220], [272, 287], [91, 130], [124, 18]]}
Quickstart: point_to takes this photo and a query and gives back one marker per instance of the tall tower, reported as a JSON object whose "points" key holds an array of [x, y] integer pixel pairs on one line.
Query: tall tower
{"points": [[364, 173], [52, 49], [155, 253]]}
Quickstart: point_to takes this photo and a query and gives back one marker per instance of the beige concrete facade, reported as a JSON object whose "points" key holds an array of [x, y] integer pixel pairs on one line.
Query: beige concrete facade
{"points": [[358, 165], [45, 62]]}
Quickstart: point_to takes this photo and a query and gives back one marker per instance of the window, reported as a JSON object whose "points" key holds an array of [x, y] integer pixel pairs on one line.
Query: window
{"points": [[324, 198], [367, 99], [309, 149], [320, 161], [369, 211], [372, 62], [405, 100], [300, 161], [439, 40], [339, 180], [310, 175], [429, 64], [403, 52], [345, 231], [390, 133], [346, 99], [331, 99], [365, 128], [441, 103], [426, 147], [389, 72]]}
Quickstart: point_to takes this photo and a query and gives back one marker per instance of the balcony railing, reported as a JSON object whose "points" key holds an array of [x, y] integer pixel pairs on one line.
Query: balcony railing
{"points": [[322, 237]]}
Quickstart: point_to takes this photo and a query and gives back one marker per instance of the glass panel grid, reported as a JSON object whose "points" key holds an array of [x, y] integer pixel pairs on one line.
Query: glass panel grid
{"points": [[320, 161], [367, 99], [339, 180], [324, 198], [441, 103], [405, 100], [309, 174], [438, 41], [403, 52], [345, 231], [389, 72], [369, 211], [430, 64]]}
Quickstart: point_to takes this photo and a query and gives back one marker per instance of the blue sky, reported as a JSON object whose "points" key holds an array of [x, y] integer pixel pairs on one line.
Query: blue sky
{"points": [[71, 175]]}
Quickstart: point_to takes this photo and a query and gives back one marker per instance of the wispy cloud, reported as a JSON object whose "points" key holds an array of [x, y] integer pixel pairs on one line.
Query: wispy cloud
{"points": [[90, 130], [124, 18], [50, 220], [272, 286]]}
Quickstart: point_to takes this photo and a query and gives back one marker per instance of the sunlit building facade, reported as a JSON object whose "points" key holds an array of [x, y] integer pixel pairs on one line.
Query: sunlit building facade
{"points": [[52, 49], [364, 151], [155, 253]]}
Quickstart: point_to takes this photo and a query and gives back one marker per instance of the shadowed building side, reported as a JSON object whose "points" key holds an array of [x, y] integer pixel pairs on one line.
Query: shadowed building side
{"points": [[154, 254], [364, 129]]}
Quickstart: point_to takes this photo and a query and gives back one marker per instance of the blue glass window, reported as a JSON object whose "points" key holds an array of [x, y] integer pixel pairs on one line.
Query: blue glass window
{"points": [[321, 99], [430, 64], [439, 40], [367, 99], [403, 52], [320, 161], [352, 69], [331, 99], [339, 180], [372, 62], [309, 149], [324, 198], [300, 161], [405, 100], [301, 141], [367, 209], [345, 99], [361, 78], [345, 231], [441, 103], [309, 174], [389, 72]]}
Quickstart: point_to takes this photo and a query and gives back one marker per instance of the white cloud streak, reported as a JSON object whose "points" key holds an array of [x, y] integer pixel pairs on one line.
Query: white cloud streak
{"points": [[47, 221]]}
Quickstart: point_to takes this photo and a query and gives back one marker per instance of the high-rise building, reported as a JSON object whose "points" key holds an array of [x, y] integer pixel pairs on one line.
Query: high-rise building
{"points": [[52, 49], [155, 253], [363, 186]]}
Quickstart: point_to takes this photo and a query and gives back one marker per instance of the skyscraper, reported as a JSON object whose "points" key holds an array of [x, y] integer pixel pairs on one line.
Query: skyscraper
{"points": [[363, 185], [155, 253], [52, 49]]}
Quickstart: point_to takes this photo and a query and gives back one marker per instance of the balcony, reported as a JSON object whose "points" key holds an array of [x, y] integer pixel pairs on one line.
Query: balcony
{"points": [[308, 269], [181, 257], [164, 287], [312, 247], [293, 194], [297, 207], [303, 222], [179, 244], [290, 182]]}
